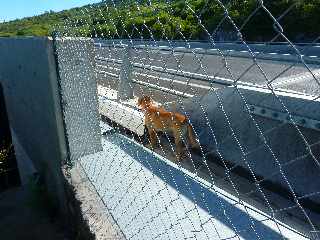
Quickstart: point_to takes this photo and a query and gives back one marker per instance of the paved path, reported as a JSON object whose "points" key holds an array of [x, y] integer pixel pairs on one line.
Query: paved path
{"points": [[152, 198]]}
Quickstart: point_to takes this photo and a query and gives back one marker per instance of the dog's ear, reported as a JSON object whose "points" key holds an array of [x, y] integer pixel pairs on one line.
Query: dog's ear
{"points": [[147, 99], [144, 100], [139, 101]]}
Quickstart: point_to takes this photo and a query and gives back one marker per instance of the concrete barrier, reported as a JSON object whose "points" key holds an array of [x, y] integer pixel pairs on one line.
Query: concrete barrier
{"points": [[49, 107], [29, 78]]}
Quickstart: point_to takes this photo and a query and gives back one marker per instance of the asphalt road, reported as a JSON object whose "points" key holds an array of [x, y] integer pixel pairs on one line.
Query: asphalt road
{"points": [[288, 75]]}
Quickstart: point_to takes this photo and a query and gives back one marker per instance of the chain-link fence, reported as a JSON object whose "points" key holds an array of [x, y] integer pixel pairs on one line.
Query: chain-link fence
{"points": [[210, 117]]}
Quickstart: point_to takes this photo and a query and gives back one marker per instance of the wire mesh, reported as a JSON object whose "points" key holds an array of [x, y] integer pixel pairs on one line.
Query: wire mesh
{"points": [[247, 91]]}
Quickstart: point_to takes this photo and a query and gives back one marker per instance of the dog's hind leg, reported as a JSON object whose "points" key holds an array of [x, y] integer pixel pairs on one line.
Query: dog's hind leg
{"points": [[152, 137], [178, 143], [191, 136]]}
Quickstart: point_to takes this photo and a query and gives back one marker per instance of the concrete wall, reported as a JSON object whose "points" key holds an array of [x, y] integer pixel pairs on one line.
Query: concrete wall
{"points": [[226, 128], [35, 91], [28, 76]]}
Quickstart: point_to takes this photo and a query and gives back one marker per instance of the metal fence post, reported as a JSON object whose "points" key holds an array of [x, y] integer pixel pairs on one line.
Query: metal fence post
{"points": [[125, 86]]}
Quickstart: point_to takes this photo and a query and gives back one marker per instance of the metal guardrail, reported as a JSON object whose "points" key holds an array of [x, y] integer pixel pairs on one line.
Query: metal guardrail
{"points": [[284, 117], [180, 73], [219, 81], [99, 40], [310, 53]]}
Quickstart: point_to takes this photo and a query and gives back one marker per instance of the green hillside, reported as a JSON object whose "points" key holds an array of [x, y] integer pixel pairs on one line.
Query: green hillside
{"points": [[194, 19]]}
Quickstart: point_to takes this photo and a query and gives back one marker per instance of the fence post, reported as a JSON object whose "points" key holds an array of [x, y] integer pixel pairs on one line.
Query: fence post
{"points": [[125, 86]]}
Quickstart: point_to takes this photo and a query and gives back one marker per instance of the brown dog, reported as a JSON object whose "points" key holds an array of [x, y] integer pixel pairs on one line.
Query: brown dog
{"points": [[158, 119]]}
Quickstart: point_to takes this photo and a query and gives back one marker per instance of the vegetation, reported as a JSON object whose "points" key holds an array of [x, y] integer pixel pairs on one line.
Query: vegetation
{"points": [[4, 154], [9, 175], [178, 19]]}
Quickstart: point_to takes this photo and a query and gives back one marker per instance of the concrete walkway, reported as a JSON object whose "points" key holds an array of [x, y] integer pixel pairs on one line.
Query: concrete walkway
{"points": [[152, 198]]}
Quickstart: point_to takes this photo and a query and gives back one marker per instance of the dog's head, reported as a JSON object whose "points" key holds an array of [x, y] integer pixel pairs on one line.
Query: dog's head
{"points": [[144, 102]]}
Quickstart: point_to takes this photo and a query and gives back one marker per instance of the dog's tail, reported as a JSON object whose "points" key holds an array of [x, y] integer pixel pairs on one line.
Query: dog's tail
{"points": [[191, 136]]}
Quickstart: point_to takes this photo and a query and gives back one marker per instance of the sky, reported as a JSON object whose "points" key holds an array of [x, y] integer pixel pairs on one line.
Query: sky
{"points": [[13, 9]]}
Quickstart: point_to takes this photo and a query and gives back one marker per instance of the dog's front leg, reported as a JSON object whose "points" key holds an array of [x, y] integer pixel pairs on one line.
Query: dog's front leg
{"points": [[152, 137]]}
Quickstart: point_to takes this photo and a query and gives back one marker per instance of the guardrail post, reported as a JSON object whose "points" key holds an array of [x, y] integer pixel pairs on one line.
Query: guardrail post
{"points": [[125, 86]]}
